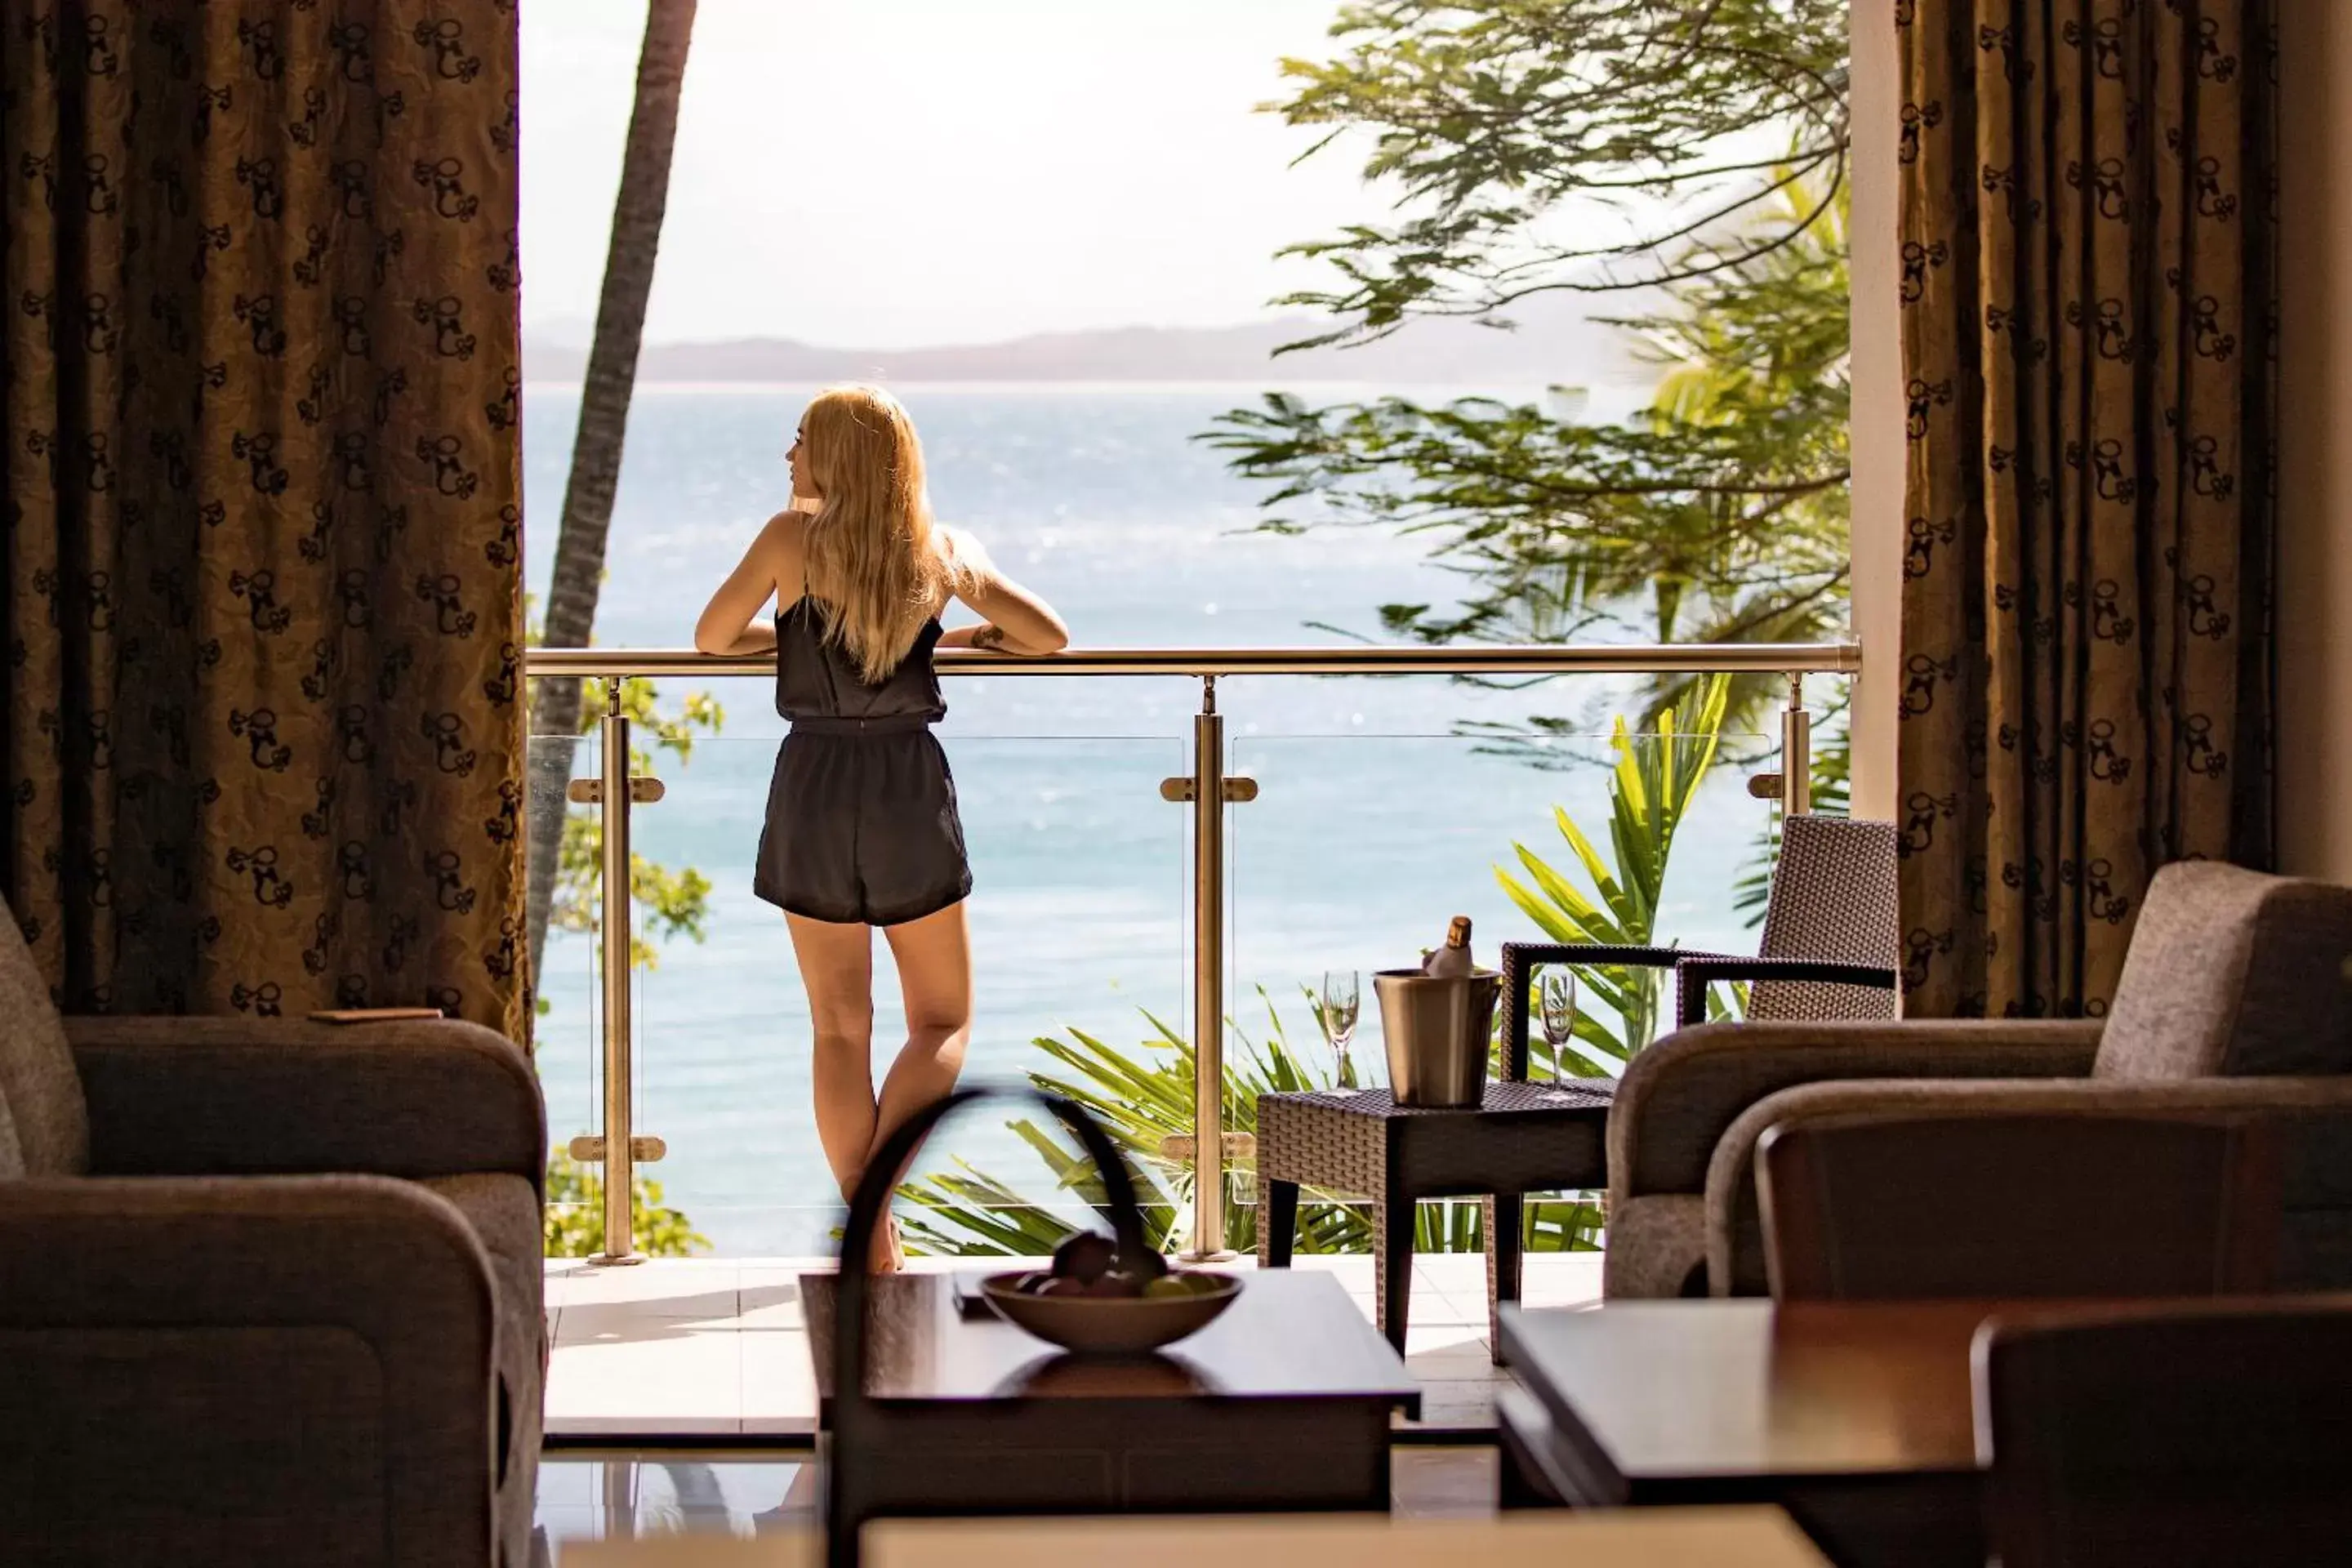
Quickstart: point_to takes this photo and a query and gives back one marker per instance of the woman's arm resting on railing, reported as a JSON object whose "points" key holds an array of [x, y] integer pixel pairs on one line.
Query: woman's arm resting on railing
{"points": [[730, 622], [1016, 620], [989, 638]]}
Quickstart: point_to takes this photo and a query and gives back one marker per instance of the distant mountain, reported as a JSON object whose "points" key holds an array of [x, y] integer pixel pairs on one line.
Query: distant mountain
{"points": [[572, 333], [1551, 347]]}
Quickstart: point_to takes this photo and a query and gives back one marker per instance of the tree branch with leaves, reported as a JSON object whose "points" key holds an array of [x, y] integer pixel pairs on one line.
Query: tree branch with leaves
{"points": [[1502, 124], [1710, 140]]}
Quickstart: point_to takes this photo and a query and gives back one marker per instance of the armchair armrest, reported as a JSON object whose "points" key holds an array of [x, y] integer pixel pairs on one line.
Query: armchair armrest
{"points": [[1693, 975], [2315, 1172], [1520, 960], [210, 1096], [228, 1363], [1679, 1097]]}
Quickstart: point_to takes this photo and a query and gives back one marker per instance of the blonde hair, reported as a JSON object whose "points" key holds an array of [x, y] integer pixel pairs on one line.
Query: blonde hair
{"points": [[877, 565]]}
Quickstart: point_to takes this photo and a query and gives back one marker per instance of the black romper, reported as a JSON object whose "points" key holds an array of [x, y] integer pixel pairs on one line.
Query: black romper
{"points": [[862, 826]]}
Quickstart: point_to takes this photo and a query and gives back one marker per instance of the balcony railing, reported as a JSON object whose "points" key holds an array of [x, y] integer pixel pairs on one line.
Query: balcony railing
{"points": [[1205, 786]]}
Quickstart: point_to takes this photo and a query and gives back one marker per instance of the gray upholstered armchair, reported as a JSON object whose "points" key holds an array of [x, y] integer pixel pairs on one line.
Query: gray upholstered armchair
{"points": [[269, 1290], [2234, 998]]}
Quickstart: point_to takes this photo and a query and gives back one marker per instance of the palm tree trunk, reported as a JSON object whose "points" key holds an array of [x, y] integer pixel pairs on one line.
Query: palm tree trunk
{"points": [[603, 423]]}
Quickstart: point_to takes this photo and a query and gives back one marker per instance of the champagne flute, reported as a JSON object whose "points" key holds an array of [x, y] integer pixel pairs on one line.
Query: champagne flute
{"points": [[1557, 997], [1337, 1016]]}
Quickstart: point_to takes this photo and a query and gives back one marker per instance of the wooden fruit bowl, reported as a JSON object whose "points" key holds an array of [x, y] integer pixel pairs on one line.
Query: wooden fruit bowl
{"points": [[1109, 1325]]}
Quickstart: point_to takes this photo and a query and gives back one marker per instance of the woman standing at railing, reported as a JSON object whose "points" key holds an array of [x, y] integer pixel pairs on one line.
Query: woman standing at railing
{"points": [[862, 829]]}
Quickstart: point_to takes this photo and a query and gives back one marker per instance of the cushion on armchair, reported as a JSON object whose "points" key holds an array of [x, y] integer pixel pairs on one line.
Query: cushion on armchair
{"points": [[44, 1121], [2233, 973]]}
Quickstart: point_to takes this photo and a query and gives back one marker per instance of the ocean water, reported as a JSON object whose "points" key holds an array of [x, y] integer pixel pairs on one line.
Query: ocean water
{"points": [[1375, 821]]}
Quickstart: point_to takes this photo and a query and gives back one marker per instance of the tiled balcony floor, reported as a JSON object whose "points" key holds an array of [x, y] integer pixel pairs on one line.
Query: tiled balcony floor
{"points": [[686, 1348]]}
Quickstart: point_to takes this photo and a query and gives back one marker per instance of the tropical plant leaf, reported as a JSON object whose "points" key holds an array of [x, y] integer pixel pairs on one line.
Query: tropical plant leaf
{"points": [[1655, 777]]}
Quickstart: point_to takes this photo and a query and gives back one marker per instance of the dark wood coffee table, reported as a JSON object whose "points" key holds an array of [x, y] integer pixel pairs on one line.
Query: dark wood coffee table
{"points": [[1283, 1403], [1858, 1419]]}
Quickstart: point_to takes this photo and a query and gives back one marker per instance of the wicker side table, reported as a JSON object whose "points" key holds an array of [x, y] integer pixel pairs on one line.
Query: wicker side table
{"points": [[1526, 1138]]}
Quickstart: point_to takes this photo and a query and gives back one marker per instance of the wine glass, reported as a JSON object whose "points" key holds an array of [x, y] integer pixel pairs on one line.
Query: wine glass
{"points": [[1558, 999], [1337, 1016]]}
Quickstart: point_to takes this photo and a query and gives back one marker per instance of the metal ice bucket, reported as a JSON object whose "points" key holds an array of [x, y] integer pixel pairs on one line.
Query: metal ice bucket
{"points": [[1437, 1033]]}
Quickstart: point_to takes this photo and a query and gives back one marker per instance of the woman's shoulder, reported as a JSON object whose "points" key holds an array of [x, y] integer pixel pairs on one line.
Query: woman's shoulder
{"points": [[786, 534], [782, 550], [961, 549]]}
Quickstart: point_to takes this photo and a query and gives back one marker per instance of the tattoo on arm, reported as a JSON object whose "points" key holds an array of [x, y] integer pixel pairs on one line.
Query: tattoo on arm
{"points": [[989, 636]]}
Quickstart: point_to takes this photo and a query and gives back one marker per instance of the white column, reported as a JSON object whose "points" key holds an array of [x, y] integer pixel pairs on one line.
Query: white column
{"points": [[1878, 442], [2315, 480]]}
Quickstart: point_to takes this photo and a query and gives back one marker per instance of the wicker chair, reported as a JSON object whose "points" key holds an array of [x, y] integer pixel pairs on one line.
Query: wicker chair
{"points": [[1829, 947], [1828, 952]]}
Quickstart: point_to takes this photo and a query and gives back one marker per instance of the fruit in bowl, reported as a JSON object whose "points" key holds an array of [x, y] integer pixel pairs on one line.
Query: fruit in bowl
{"points": [[1093, 1299], [1088, 1265]]}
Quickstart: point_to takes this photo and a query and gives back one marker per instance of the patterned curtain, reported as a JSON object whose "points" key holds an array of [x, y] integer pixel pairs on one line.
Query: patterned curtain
{"points": [[2088, 324], [263, 752]]}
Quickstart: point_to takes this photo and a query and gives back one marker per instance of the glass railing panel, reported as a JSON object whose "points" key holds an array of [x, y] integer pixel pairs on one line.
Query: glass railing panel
{"points": [[1378, 817], [567, 1024], [1384, 805], [1373, 825], [1077, 925]]}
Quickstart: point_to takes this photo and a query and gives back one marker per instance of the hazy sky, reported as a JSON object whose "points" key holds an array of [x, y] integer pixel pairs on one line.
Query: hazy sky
{"points": [[890, 172]]}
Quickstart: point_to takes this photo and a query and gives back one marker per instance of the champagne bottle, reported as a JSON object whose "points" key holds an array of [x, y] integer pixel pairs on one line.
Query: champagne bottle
{"points": [[1453, 961]]}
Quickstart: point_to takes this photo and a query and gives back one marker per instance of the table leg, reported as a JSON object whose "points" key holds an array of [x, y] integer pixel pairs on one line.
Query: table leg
{"points": [[1506, 1240], [1277, 1222], [1392, 1229]]}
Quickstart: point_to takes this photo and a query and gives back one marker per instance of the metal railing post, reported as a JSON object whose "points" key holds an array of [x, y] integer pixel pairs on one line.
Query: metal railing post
{"points": [[1795, 752], [620, 1066], [1208, 979], [614, 792]]}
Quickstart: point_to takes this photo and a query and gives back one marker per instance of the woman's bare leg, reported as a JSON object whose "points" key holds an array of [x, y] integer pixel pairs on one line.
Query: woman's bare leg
{"points": [[934, 959], [837, 967]]}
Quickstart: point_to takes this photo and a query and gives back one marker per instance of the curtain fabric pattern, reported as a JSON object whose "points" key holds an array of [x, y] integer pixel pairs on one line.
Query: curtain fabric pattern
{"points": [[2088, 326], [260, 480]]}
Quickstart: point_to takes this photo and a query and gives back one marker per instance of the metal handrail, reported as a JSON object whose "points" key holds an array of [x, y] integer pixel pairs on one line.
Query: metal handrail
{"points": [[1207, 788], [1202, 663]]}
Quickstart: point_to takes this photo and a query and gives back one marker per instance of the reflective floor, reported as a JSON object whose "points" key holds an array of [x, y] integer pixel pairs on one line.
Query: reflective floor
{"points": [[706, 1347], [626, 1495], [630, 1494]]}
